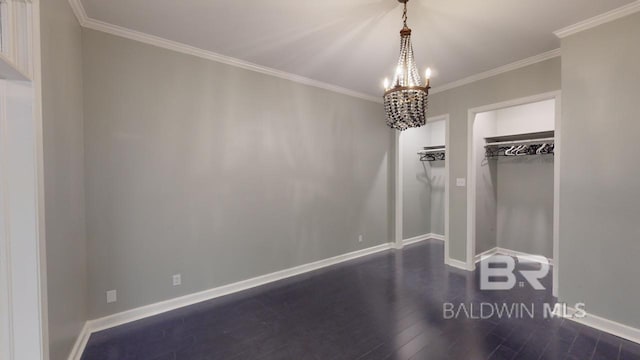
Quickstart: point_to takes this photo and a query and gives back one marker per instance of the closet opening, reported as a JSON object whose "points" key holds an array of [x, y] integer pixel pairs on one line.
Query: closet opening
{"points": [[422, 180], [513, 180]]}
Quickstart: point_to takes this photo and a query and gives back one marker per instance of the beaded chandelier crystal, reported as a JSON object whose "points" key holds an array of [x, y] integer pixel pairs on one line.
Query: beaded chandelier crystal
{"points": [[405, 101]]}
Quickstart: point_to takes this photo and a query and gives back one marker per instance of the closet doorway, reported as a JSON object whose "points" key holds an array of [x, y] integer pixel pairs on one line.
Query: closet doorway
{"points": [[422, 183], [512, 194]]}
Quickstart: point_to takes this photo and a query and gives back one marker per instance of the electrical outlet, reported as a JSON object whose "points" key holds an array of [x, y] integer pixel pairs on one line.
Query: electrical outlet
{"points": [[461, 182], [177, 279], [360, 238], [112, 296]]}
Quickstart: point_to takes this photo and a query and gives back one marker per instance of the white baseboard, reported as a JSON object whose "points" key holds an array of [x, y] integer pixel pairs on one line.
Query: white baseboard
{"points": [[415, 239], [508, 252], [106, 322], [606, 325], [457, 264], [81, 343], [485, 254], [176, 303], [436, 236], [535, 258], [124, 317], [424, 237]]}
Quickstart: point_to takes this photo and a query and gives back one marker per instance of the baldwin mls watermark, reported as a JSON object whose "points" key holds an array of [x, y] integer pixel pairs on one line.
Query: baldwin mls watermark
{"points": [[485, 310], [498, 272]]}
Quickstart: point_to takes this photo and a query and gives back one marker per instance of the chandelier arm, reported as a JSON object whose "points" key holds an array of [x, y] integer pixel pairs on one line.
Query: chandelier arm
{"points": [[401, 88]]}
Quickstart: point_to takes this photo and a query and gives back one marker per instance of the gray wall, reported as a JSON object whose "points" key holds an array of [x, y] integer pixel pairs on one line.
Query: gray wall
{"points": [[219, 173], [599, 187], [416, 185], [423, 182], [437, 179], [514, 195], [524, 188], [534, 79], [63, 175]]}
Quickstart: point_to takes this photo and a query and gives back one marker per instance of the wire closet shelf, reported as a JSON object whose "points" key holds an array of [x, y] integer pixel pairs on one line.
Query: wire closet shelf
{"points": [[539, 143], [432, 153]]}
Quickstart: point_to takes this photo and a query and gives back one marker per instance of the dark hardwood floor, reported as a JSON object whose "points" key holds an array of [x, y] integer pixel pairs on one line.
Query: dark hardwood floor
{"points": [[385, 306]]}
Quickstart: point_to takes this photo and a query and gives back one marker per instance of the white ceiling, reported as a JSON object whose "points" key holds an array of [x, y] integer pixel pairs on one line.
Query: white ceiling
{"points": [[354, 43]]}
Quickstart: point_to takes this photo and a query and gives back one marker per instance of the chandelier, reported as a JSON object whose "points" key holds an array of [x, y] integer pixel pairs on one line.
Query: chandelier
{"points": [[405, 101]]}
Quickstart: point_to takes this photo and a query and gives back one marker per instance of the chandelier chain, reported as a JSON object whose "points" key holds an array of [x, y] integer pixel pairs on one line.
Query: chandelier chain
{"points": [[404, 15]]}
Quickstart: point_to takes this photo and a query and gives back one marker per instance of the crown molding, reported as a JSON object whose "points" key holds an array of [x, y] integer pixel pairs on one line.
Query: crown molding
{"points": [[127, 33], [78, 10], [612, 15], [497, 71], [120, 31], [102, 26]]}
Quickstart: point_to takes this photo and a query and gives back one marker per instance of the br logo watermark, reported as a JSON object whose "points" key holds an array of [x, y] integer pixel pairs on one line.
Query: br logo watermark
{"points": [[497, 272]]}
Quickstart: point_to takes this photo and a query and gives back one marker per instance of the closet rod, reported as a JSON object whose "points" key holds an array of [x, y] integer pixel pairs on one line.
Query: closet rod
{"points": [[521, 142]]}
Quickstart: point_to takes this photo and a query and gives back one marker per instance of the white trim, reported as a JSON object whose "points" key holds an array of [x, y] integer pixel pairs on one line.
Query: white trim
{"points": [[556, 191], [508, 252], [424, 237], [124, 317], [497, 71], [397, 191], [78, 10], [485, 254], [175, 303], [458, 264], [520, 254], [436, 237], [598, 20], [23, 228], [471, 191], [36, 76], [471, 175], [130, 34], [6, 285], [447, 187], [602, 324], [102, 26], [142, 312], [81, 343], [416, 239]]}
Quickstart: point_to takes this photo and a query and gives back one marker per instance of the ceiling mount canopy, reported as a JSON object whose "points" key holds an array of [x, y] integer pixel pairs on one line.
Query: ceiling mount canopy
{"points": [[405, 99]]}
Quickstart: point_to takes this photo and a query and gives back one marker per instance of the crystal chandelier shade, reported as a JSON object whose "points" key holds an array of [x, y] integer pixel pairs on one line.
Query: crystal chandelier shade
{"points": [[407, 71], [405, 101]]}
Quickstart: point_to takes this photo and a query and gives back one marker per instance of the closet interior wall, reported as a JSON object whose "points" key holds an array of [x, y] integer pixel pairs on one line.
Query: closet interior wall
{"points": [[423, 182], [514, 195]]}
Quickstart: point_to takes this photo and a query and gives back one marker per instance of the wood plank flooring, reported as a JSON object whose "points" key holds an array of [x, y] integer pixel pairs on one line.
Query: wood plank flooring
{"points": [[385, 306]]}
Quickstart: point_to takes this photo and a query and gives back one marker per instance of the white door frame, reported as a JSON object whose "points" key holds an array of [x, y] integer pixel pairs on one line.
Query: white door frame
{"points": [[23, 296], [398, 242], [471, 174]]}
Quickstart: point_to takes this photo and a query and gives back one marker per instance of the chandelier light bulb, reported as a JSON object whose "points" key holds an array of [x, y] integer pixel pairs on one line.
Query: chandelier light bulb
{"points": [[427, 74], [386, 83]]}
